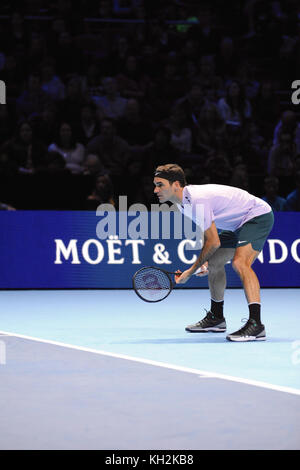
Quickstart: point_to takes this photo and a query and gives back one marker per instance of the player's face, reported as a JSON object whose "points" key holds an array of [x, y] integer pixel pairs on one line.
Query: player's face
{"points": [[163, 189]]}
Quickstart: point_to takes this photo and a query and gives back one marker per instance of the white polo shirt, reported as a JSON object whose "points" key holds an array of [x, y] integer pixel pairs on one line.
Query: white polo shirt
{"points": [[227, 206]]}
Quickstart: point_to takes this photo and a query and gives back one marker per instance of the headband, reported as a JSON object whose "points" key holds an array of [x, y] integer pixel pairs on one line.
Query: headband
{"points": [[164, 174]]}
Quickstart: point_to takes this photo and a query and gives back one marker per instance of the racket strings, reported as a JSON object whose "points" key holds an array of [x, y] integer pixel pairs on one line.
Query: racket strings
{"points": [[152, 284]]}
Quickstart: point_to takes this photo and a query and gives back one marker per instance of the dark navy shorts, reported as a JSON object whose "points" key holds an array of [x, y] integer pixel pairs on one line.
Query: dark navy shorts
{"points": [[255, 231]]}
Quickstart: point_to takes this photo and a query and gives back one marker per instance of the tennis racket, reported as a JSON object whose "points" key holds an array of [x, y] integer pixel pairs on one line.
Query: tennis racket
{"points": [[153, 284]]}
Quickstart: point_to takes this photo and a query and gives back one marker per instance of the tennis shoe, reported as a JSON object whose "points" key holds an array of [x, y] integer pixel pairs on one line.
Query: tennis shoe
{"points": [[251, 331], [209, 323]]}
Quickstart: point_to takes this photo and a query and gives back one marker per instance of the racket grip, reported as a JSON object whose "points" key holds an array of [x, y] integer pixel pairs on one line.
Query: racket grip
{"points": [[202, 269]]}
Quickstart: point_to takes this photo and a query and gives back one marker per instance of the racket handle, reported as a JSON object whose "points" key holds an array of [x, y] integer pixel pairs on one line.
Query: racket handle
{"points": [[199, 270]]}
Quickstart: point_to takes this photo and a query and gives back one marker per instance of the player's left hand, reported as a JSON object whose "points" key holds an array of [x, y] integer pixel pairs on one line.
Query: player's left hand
{"points": [[203, 270], [182, 278]]}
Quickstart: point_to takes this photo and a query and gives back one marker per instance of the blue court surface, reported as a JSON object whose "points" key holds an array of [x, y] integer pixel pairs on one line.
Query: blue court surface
{"points": [[101, 369]]}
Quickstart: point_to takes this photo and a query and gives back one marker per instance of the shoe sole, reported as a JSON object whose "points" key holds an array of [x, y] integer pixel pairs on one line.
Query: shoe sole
{"points": [[206, 330], [245, 339]]}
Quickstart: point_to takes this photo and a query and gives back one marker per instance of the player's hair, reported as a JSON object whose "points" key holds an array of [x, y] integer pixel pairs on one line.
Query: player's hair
{"points": [[171, 172]]}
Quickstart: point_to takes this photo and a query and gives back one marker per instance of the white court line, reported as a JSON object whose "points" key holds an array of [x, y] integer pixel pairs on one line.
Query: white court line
{"points": [[215, 375]]}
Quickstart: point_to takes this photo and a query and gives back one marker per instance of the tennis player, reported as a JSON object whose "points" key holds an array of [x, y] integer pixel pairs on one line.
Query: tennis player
{"points": [[236, 226]]}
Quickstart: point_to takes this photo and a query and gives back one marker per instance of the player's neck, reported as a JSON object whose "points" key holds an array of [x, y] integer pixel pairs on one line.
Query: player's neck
{"points": [[178, 196]]}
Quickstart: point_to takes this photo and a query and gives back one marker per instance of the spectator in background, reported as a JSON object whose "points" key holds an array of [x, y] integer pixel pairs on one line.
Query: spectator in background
{"points": [[266, 109], [216, 169], [117, 60], [137, 30], [51, 83], [246, 77], [113, 152], [70, 108], [111, 104], [227, 59], [143, 159], [181, 135], [18, 33], [24, 150], [282, 156], [211, 129], [240, 177], [159, 36], [92, 168], [36, 52], [103, 193], [131, 82], [187, 58], [288, 124], [192, 104], [133, 126], [72, 16], [92, 165], [46, 124], [150, 63], [159, 151], [169, 87], [206, 31], [271, 187], [68, 57], [189, 52], [235, 142], [57, 26], [72, 151], [33, 99], [88, 125], [91, 82], [235, 107], [211, 83], [293, 198], [255, 150]]}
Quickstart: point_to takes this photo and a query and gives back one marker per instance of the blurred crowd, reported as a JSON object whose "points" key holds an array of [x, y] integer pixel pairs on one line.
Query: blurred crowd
{"points": [[99, 93]]}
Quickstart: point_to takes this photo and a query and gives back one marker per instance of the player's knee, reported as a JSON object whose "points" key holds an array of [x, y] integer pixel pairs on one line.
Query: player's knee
{"points": [[238, 265], [215, 266]]}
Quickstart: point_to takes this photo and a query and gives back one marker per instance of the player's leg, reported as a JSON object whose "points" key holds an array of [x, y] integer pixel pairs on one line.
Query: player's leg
{"points": [[251, 238], [242, 263], [217, 278], [217, 274], [214, 320]]}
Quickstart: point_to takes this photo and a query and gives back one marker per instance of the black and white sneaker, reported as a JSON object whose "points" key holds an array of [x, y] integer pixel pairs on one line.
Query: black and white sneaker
{"points": [[208, 323], [252, 331]]}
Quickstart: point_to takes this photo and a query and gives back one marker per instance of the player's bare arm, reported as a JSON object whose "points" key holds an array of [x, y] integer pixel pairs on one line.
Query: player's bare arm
{"points": [[210, 246]]}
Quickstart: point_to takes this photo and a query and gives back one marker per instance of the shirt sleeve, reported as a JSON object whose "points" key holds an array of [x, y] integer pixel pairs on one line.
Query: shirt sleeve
{"points": [[203, 214]]}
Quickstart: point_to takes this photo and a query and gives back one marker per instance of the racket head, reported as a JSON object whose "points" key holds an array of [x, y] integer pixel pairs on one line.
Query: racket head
{"points": [[152, 284]]}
